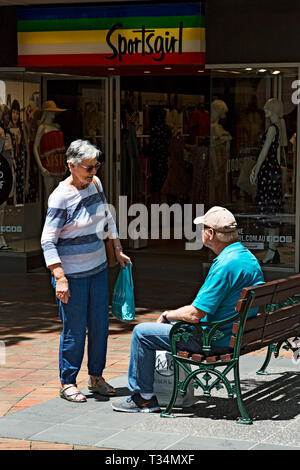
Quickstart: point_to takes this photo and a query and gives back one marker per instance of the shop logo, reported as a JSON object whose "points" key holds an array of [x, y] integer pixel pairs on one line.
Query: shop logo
{"points": [[164, 364], [145, 42]]}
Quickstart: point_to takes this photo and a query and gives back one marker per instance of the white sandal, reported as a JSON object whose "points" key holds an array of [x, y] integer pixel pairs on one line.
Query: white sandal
{"points": [[71, 396]]}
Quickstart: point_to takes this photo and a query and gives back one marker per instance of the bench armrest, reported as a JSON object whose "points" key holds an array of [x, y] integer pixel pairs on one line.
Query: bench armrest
{"points": [[206, 332]]}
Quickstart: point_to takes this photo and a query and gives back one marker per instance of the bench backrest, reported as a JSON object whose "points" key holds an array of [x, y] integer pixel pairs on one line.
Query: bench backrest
{"points": [[278, 318]]}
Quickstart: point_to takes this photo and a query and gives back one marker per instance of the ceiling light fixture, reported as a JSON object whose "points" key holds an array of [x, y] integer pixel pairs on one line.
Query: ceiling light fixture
{"points": [[168, 68], [248, 69], [262, 70], [275, 72], [147, 71], [111, 68]]}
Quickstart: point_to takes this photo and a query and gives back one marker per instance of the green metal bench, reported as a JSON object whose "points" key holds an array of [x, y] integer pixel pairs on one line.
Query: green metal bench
{"points": [[277, 322]]}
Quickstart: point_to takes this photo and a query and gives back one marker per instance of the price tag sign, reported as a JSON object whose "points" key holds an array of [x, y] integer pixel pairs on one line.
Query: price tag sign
{"points": [[6, 179]]}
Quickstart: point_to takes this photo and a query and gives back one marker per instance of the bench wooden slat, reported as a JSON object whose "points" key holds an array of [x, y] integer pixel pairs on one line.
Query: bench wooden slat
{"points": [[201, 358], [251, 323], [261, 301], [183, 353], [268, 288], [274, 338], [274, 315], [198, 357], [240, 304], [284, 294], [284, 312], [268, 329], [274, 298], [280, 289]]}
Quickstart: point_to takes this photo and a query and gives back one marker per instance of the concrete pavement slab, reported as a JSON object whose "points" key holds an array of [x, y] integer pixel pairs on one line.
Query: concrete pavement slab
{"points": [[272, 401]]}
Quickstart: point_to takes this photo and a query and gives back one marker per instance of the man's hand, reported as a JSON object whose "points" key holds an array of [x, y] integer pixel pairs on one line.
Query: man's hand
{"points": [[163, 318], [188, 313]]}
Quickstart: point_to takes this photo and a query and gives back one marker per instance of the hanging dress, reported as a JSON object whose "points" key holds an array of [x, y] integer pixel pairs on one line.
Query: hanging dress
{"points": [[269, 186], [159, 151]]}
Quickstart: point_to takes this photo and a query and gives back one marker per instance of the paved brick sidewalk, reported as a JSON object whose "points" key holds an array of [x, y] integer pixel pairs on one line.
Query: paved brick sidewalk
{"points": [[30, 329]]}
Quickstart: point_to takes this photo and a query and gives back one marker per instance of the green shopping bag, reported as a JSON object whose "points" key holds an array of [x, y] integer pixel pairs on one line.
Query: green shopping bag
{"points": [[123, 304]]}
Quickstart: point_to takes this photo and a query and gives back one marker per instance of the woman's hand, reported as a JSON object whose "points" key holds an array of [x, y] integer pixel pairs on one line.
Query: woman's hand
{"points": [[122, 258], [44, 171], [62, 289], [253, 175]]}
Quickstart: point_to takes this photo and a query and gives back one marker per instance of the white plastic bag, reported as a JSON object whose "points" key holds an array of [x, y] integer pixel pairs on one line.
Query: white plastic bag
{"points": [[163, 382]]}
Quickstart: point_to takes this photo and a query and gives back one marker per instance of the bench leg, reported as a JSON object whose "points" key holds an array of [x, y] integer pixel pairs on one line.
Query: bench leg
{"points": [[167, 412], [262, 370], [245, 418]]}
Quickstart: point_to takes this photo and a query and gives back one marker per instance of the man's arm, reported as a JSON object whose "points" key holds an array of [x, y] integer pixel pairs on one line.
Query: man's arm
{"points": [[188, 313]]}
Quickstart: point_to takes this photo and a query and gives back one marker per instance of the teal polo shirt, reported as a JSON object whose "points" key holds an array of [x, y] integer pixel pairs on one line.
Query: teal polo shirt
{"points": [[232, 270]]}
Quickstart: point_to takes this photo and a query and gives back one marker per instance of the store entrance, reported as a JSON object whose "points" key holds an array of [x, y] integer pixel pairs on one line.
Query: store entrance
{"points": [[165, 128]]}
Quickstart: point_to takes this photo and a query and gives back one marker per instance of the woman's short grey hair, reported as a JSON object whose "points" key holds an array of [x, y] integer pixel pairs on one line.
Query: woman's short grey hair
{"points": [[80, 150]]}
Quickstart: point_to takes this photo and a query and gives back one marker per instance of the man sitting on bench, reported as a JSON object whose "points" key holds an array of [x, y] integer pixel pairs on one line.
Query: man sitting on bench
{"points": [[233, 269]]}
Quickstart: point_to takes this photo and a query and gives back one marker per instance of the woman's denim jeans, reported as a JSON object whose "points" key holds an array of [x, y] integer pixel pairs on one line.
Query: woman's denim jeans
{"points": [[87, 308], [147, 338]]}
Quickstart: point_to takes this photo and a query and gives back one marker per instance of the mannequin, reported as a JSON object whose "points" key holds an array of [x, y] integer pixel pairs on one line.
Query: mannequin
{"points": [[219, 152], [15, 129], [267, 174], [32, 118], [6, 149], [172, 120], [49, 149]]}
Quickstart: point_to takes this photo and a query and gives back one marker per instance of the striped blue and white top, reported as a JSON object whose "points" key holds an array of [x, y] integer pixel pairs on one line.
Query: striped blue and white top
{"points": [[74, 227]]}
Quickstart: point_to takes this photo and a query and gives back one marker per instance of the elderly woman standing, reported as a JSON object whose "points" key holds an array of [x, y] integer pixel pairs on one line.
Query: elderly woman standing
{"points": [[74, 251]]}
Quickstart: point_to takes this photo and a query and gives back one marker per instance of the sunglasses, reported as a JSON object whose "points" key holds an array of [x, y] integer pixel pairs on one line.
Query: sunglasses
{"points": [[89, 169]]}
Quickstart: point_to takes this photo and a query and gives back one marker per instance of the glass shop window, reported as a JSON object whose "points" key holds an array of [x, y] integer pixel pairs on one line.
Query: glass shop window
{"points": [[20, 193], [252, 167]]}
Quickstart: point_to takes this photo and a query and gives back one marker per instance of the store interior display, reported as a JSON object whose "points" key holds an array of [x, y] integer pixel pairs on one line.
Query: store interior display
{"points": [[219, 154], [182, 141], [18, 111], [32, 116], [165, 146], [49, 149], [268, 176], [264, 141], [7, 151]]}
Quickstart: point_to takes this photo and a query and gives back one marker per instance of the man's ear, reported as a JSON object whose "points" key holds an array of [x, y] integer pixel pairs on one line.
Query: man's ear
{"points": [[211, 233]]}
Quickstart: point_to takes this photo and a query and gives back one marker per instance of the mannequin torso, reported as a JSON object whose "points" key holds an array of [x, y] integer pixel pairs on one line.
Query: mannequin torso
{"points": [[48, 125], [219, 152]]}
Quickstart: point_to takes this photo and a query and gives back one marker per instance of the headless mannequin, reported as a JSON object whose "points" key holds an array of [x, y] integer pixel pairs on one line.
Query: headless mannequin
{"points": [[219, 151], [273, 111], [6, 148], [46, 126]]}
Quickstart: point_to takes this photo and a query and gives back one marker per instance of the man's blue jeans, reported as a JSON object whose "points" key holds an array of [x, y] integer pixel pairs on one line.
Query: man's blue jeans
{"points": [[87, 308], [146, 339]]}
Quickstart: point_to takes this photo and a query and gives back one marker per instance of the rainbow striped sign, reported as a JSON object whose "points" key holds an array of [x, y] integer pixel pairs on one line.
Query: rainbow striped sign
{"points": [[112, 35]]}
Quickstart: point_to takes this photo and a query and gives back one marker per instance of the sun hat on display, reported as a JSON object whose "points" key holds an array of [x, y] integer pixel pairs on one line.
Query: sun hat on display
{"points": [[51, 106]]}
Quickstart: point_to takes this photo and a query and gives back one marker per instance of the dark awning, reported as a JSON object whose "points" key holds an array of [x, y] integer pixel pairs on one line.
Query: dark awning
{"points": [[256, 31]]}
